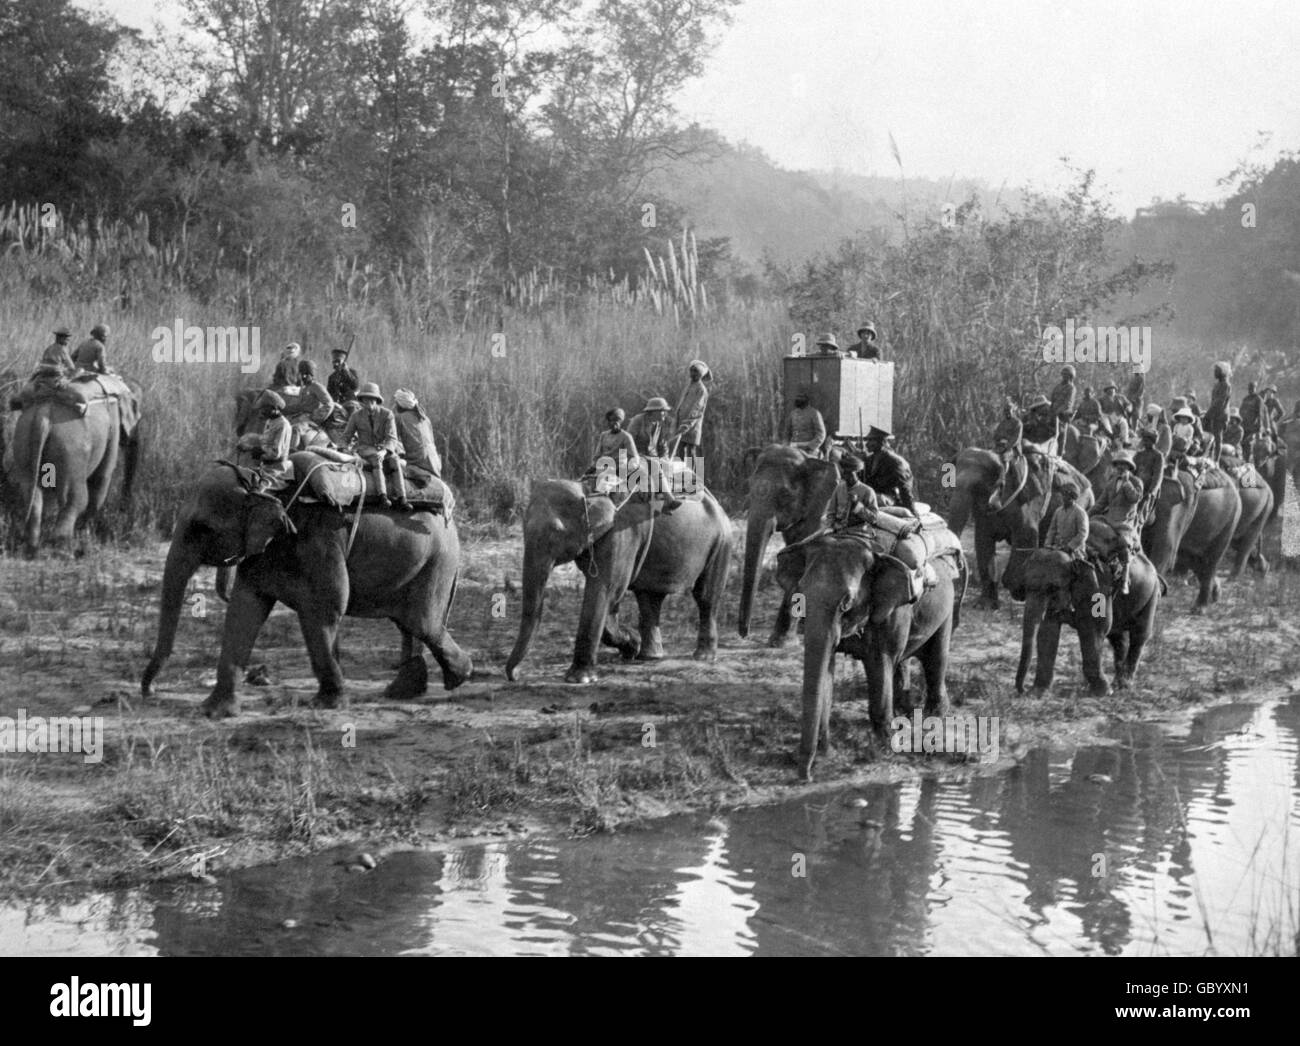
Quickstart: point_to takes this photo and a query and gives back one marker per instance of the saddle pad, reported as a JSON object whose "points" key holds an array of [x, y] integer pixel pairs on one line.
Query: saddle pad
{"points": [[929, 520], [335, 483], [1247, 477]]}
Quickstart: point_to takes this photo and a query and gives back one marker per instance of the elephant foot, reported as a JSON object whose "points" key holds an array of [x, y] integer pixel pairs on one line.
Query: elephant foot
{"points": [[220, 707], [1122, 682], [705, 653], [987, 603], [778, 639], [581, 674], [412, 680], [513, 674], [806, 766], [454, 675], [1099, 689], [329, 699], [1198, 610], [652, 652]]}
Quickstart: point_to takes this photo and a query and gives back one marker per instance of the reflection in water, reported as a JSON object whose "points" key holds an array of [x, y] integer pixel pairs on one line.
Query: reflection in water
{"points": [[1155, 844]]}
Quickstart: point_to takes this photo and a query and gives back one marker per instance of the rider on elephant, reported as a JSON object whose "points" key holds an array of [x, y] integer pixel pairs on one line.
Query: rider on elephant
{"points": [[1040, 424], [888, 473], [1273, 411], [286, 370], [374, 429], [314, 405], [272, 451], [416, 433], [56, 365], [853, 502], [1136, 393], [1216, 418], [91, 354], [1150, 466], [1006, 437], [1185, 423], [1063, 399], [1118, 504], [1089, 415], [343, 382], [1233, 431], [616, 456], [1252, 413], [1112, 402], [805, 427], [647, 429], [1068, 533]]}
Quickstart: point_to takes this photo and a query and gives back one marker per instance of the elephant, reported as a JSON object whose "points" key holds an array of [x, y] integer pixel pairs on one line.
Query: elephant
{"points": [[1091, 456], [1127, 620], [400, 566], [1009, 503], [1191, 528], [789, 491], [862, 602], [64, 458], [1247, 539], [655, 553]]}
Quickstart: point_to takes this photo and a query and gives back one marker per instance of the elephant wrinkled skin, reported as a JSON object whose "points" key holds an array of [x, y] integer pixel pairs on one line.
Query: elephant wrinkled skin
{"points": [[402, 566], [862, 604]]}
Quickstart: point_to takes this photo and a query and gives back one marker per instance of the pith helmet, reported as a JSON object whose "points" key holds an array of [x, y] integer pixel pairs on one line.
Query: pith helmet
{"points": [[1108, 386], [270, 399], [62, 331], [657, 403], [1123, 457], [828, 339], [703, 367], [370, 391], [1184, 412], [868, 328], [1153, 410], [1229, 449]]}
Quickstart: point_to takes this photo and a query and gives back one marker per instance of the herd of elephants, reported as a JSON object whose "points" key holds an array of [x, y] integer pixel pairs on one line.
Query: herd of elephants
{"points": [[882, 594]]}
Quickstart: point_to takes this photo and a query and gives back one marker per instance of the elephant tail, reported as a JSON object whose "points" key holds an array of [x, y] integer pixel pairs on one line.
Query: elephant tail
{"points": [[37, 438]]}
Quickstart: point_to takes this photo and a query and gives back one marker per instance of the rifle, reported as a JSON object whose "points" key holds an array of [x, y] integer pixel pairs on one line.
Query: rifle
{"points": [[348, 351]]}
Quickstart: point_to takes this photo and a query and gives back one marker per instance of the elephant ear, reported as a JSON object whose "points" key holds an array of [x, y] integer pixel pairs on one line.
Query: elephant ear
{"points": [[264, 519], [889, 589]]}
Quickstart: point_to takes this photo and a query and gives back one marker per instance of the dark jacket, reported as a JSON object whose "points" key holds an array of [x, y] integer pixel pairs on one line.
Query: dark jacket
{"points": [[889, 474], [343, 384]]}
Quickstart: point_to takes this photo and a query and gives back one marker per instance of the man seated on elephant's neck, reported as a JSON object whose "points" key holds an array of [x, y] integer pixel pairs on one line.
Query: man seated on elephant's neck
{"points": [[853, 504], [277, 435], [616, 456], [1068, 533], [1118, 505]]}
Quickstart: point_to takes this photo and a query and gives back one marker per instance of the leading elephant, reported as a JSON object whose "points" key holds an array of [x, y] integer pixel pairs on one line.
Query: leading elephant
{"points": [[402, 566], [871, 605], [1256, 510], [652, 552], [1009, 502], [1096, 612], [1192, 527], [65, 457], [789, 491]]}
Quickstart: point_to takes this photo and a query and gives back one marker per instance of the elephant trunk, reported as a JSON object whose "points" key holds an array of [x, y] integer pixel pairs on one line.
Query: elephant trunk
{"points": [[822, 632], [757, 534], [224, 574], [960, 510], [537, 572], [182, 562], [1035, 606]]}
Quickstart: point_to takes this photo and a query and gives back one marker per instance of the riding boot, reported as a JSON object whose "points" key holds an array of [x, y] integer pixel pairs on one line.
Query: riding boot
{"points": [[381, 488], [399, 486]]}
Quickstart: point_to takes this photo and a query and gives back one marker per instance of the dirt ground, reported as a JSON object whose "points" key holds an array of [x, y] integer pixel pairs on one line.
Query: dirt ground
{"points": [[177, 795]]}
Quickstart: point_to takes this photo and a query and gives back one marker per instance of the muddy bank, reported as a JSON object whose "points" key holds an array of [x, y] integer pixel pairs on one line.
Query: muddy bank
{"points": [[175, 795]]}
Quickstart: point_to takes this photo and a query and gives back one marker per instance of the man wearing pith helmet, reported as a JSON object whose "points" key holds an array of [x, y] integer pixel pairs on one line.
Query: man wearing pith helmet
{"points": [[887, 472], [828, 346], [867, 347], [1118, 504], [647, 428], [374, 429]]}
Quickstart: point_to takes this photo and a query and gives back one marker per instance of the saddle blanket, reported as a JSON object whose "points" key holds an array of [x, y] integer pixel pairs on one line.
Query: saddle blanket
{"points": [[338, 479]]}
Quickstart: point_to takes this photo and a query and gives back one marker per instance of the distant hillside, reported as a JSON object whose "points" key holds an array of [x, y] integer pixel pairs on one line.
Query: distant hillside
{"points": [[792, 215]]}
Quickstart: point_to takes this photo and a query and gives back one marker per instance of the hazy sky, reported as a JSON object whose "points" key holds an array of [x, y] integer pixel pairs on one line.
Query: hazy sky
{"points": [[1161, 97]]}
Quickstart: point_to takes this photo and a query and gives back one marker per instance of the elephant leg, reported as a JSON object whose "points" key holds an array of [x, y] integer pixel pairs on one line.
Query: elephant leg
{"points": [[35, 501], [879, 667], [649, 605], [1049, 643], [1119, 644], [429, 603], [784, 624], [1090, 646], [985, 560], [934, 662], [74, 499], [456, 665], [98, 483], [616, 634], [320, 633], [708, 592], [600, 598], [245, 616]]}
